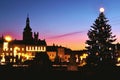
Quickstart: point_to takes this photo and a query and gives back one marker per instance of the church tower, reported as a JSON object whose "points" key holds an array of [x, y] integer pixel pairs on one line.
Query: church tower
{"points": [[27, 33]]}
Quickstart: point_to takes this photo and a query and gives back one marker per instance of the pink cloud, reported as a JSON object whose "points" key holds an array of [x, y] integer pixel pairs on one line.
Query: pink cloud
{"points": [[64, 35]]}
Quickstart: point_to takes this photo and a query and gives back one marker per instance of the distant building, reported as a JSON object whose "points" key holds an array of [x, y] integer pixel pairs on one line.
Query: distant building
{"points": [[117, 52], [52, 52], [63, 54], [17, 51], [60, 53], [21, 50]]}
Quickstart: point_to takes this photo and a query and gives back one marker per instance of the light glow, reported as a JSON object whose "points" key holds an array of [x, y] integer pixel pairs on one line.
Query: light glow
{"points": [[118, 59], [16, 49], [5, 46], [3, 58], [102, 10], [8, 38]]}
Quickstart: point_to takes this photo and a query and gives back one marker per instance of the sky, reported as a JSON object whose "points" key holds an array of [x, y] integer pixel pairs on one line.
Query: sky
{"points": [[62, 22]]}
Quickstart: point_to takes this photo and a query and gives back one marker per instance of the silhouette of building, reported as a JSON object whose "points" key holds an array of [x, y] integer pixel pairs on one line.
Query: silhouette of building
{"points": [[20, 50]]}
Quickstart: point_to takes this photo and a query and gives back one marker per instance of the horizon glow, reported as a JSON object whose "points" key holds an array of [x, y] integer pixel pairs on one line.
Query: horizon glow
{"points": [[62, 22]]}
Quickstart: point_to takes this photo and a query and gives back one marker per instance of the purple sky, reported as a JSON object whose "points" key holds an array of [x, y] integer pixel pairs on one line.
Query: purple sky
{"points": [[63, 22]]}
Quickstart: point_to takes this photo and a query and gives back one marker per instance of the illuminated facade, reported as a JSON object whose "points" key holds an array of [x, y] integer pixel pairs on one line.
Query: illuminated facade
{"points": [[62, 53], [20, 50]]}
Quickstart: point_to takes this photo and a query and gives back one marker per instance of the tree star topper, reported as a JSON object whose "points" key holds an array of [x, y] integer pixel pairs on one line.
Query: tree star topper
{"points": [[102, 9]]}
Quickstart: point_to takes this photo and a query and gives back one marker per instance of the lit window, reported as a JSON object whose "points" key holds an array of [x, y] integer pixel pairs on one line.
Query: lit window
{"points": [[52, 55], [6, 49], [19, 54], [7, 54], [22, 49], [22, 54], [18, 49], [96, 53], [112, 57], [44, 48], [110, 48], [102, 28], [14, 60], [97, 41], [10, 54], [10, 49], [26, 48], [10, 60], [100, 59], [30, 48], [38, 48], [5, 46], [33, 48]]}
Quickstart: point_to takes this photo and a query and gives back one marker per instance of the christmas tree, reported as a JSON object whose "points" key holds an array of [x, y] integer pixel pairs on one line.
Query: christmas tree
{"points": [[100, 43]]}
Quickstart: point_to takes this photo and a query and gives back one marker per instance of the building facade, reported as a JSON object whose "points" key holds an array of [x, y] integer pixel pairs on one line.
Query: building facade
{"points": [[20, 50]]}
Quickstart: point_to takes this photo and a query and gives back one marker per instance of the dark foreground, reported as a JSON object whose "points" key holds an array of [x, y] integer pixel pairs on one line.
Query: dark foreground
{"points": [[101, 73]]}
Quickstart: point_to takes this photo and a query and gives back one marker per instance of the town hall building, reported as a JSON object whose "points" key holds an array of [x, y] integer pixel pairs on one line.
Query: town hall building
{"points": [[21, 50]]}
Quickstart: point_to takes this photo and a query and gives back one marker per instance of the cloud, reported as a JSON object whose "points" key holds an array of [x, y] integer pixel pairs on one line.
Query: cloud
{"points": [[64, 35]]}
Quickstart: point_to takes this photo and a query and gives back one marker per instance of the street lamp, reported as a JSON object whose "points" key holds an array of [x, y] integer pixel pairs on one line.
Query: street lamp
{"points": [[8, 38]]}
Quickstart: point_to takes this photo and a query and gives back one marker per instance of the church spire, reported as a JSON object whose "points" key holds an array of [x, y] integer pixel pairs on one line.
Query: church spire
{"points": [[27, 20], [27, 33], [27, 27]]}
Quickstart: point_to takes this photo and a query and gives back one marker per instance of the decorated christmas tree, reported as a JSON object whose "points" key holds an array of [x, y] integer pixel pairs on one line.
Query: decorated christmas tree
{"points": [[100, 43]]}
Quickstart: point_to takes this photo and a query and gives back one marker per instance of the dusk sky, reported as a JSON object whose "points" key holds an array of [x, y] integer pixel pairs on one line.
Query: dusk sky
{"points": [[62, 22]]}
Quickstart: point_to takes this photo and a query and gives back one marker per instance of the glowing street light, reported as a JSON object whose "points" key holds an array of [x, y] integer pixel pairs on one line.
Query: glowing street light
{"points": [[8, 38]]}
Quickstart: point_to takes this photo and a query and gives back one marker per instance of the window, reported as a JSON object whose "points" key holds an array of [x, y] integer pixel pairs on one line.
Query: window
{"points": [[33, 48], [22, 49], [10, 54], [5, 46], [26, 48], [30, 48], [36, 48], [7, 54], [10, 49]]}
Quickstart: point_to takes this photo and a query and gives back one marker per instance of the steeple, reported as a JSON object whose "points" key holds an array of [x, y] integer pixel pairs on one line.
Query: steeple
{"points": [[27, 33], [27, 24]]}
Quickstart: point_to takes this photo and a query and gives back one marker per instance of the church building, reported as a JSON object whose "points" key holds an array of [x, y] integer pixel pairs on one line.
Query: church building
{"points": [[20, 50]]}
